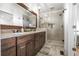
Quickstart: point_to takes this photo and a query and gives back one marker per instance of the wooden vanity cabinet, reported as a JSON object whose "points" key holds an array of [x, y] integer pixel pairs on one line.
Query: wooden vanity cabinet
{"points": [[21, 49], [25, 45], [25, 49], [42, 38], [39, 41], [8, 47], [9, 52], [30, 48]]}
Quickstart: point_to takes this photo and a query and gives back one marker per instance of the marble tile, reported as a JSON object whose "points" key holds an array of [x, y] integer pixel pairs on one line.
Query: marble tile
{"points": [[40, 54], [45, 50], [52, 51], [52, 48], [58, 49]]}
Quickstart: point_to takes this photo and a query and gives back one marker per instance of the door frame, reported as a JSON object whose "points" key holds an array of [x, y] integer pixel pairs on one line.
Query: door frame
{"points": [[69, 37]]}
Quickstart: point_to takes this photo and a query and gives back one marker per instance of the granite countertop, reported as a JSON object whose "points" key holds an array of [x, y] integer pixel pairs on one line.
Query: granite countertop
{"points": [[10, 35]]}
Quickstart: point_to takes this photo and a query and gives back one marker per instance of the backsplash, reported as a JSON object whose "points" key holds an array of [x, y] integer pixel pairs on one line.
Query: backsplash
{"points": [[4, 31], [6, 18]]}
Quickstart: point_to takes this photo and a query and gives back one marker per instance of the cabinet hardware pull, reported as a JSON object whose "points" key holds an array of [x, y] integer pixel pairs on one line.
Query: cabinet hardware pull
{"points": [[22, 47]]}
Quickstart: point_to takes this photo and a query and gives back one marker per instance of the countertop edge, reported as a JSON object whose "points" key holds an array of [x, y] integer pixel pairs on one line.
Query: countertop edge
{"points": [[11, 35]]}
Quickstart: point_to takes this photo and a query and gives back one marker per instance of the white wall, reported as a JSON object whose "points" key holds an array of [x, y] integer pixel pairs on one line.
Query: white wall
{"points": [[69, 21], [78, 18], [32, 6], [15, 10], [66, 17]]}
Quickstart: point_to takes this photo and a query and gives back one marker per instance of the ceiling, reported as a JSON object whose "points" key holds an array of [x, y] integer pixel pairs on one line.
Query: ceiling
{"points": [[44, 7]]}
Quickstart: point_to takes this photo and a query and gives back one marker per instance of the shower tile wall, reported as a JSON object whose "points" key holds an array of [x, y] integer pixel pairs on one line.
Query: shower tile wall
{"points": [[57, 32]]}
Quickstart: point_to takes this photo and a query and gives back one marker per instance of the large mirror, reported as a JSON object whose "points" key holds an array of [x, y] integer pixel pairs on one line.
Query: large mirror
{"points": [[6, 18], [29, 20]]}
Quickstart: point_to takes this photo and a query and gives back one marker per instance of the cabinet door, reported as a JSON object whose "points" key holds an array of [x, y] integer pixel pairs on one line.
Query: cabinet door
{"points": [[42, 38], [30, 48], [9, 52], [21, 49], [37, 42], [8, 47]]}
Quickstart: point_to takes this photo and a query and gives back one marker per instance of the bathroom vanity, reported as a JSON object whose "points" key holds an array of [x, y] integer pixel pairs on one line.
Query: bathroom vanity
{"points": [[18, 42], [22, 44]]}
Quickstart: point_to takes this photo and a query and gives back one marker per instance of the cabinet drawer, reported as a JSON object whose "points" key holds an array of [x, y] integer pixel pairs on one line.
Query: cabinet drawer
{"points": [[6, 43], [9, 52], [21, 49], [42, 34], [24, 38]]}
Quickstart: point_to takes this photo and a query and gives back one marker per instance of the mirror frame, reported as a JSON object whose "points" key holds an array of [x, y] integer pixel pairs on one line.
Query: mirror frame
{"points": [[27, 8]]}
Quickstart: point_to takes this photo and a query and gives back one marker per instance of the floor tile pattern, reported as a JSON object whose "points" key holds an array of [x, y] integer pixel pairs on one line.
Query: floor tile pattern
{"points": [[51, 48]]}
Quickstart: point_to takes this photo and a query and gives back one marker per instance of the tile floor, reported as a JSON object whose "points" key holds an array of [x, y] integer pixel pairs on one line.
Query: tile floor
{"points": [[51, 48]]}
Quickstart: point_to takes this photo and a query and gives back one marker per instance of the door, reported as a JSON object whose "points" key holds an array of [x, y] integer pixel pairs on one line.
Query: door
{"points": [[74, 27], [77, 31], [75, 17], [70, 17]]}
